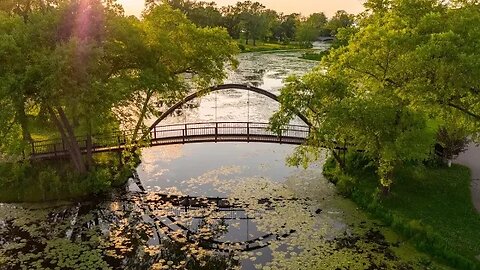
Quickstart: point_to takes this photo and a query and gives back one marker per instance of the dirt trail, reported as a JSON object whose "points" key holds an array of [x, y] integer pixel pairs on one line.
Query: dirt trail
{"points": [[471, 158]]}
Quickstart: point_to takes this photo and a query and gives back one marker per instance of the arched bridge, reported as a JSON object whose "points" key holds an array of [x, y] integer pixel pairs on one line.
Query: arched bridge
{"points": [[219, 88], [159, 134]]}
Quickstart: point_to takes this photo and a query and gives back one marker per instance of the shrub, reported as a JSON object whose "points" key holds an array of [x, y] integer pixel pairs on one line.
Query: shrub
{"points": [[101, 180]]}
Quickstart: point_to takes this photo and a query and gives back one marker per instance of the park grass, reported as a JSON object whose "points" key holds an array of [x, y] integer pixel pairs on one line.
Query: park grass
{"points": [[262, 46], [430, 206], [56, 181], [40, 128]]}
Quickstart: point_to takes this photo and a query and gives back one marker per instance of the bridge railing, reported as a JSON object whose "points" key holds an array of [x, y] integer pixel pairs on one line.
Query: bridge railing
{"points": [[178, 133], [226, 129], [60, 146]]}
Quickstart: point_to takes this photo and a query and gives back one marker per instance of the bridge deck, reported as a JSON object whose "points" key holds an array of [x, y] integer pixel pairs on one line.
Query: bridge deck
{"points": [[178, 134]]}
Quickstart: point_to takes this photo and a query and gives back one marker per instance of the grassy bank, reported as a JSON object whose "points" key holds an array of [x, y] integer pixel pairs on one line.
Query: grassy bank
{"points": [[314, 56], [430, 206], [265, 46], [53, 180]]}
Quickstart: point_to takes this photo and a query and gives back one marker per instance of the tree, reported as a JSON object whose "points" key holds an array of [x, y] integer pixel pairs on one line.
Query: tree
{"points": [[72, 73], [311, 29], [231, 21], [10, 127], [81, 62], [13, 109], [201, 13], [273, 23], [174, 47], [205, 14], [390, 88], [253, 21], [17, 14], [289, 26], [319, 22], [341, 19]]}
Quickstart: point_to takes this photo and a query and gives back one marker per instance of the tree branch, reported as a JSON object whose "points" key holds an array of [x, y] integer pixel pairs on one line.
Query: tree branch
{"points": [[365, 72], [466, 111]]}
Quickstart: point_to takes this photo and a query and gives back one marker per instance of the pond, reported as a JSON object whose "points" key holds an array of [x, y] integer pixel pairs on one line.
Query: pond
{"points": [[212, 206]]}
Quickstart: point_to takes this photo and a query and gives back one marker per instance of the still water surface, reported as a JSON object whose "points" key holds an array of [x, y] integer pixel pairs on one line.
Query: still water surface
{"points": [[246, 208]]}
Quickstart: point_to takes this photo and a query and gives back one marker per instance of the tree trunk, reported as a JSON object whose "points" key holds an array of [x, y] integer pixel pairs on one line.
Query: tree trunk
{"points": [[71, 134], [141, 116], [339, 160], [68, 136], [385, 191], [89, 145], [89, 151], [23, 120]]}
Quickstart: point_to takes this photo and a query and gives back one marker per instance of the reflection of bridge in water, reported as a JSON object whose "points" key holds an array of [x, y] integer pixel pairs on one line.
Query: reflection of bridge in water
{"points": [[175, 208]]}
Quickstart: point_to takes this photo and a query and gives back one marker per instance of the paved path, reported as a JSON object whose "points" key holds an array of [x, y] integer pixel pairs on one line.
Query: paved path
{"points": [[471, 158]]}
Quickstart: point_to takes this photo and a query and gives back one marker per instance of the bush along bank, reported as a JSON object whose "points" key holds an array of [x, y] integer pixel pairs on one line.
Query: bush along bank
{"points": [[430, 205], [314, 56], [266, 47], [56, 181]]}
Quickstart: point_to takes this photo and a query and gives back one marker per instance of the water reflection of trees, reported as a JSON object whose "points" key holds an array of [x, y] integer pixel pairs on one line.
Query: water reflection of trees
{"points": [[103, 235], [146, 230], [253, 76]]}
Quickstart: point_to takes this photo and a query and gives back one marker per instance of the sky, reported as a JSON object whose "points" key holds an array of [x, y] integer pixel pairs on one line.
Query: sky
{"points": [[305, 7]]}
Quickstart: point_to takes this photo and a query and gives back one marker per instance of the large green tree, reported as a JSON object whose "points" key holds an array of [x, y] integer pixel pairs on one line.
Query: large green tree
{"points": [[253, 22], [13, 111], [311, 28], [341, 19], [82, 64], [408, 69], [174, 49]]}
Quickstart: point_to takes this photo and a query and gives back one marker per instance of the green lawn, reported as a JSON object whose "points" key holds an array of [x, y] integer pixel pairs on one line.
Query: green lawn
{"points": [[432, 207], [440, 198]]}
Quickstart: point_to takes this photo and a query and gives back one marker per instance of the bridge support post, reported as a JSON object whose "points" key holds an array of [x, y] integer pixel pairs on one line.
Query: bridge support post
{"points": [[184, 131], [216, 132], [187, 203], [248, 131]]}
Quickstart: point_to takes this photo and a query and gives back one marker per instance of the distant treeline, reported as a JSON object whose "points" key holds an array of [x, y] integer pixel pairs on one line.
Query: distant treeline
{"points": [[252, 21]]}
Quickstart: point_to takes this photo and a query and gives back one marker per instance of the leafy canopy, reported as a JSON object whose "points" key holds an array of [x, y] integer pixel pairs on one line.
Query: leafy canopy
{"points": [[408, 67]]}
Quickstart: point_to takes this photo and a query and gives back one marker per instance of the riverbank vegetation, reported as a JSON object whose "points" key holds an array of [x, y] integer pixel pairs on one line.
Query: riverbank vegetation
{"points": [[44, 181], [400, 86], [395, 86], [314, 56], [84, 68], [430, 205], [268, 46]]}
